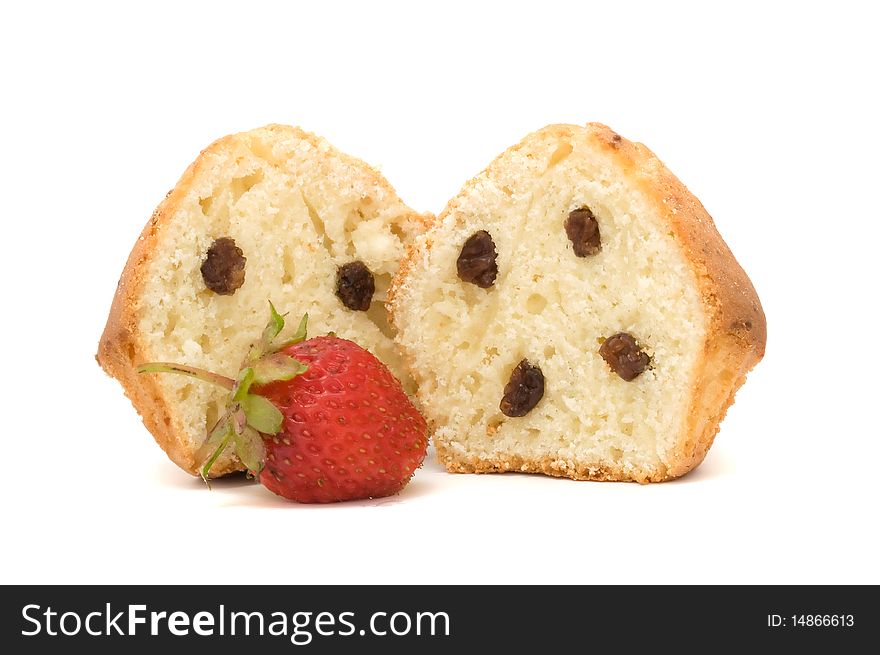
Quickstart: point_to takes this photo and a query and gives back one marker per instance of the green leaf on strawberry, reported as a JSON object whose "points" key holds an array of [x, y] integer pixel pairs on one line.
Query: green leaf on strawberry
{"points": [[250, 448], [217, 441], [276, 367], [248, 416], [242, 384], [261, 414], [300, 334]]}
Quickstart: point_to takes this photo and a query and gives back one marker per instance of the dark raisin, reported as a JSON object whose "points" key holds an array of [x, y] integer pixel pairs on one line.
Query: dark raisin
{"points": [[523, 391], [355, 286], [624, 356], [582, 229], [478, 261], [223, 268]]}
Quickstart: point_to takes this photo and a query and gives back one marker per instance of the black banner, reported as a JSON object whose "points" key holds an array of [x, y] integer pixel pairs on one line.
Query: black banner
{"points": [[49, 619]]}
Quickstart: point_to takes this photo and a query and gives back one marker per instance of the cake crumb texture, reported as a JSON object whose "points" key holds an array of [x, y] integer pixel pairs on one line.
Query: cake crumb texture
{"points": [[656, 270]]}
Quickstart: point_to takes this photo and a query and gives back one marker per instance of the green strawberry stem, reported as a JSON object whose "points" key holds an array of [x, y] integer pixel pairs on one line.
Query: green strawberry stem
{"points": [[205, 470], [249, 417], [191, 371]]}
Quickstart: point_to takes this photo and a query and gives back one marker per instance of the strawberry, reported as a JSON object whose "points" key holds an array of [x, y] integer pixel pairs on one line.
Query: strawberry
{"points": [[318, 421]]}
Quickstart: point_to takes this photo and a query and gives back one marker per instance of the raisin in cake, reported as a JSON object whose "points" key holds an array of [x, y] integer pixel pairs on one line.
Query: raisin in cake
{"points": [[272, 214], [575, 312]]}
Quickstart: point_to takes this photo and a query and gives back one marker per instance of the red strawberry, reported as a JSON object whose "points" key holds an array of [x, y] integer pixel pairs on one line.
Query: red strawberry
{"points": [[349, 430], [319, 421]]}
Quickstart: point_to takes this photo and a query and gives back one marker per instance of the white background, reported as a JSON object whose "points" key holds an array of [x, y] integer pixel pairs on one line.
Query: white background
{"points": [[767, 111]]}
